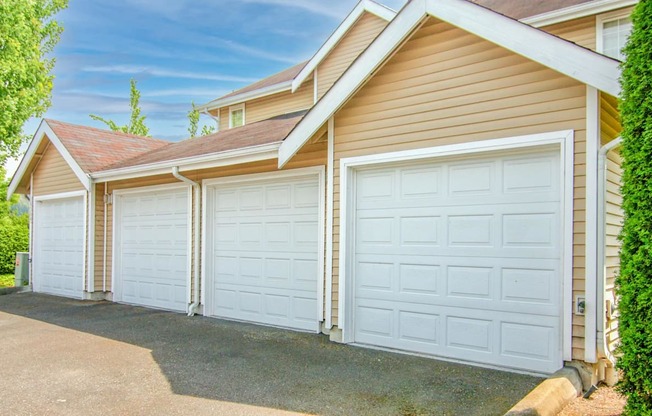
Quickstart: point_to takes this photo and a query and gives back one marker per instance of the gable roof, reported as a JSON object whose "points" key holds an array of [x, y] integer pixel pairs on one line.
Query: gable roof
{"points": [[563, 56], [248, 143], [85, 150], [364, 6], [281, 81]]}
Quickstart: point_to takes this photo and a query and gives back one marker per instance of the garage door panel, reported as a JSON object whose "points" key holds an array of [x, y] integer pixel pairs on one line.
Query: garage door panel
{"points": [[153, 249], [59, 247], [264, 245], [272, 306], [461, 259]]}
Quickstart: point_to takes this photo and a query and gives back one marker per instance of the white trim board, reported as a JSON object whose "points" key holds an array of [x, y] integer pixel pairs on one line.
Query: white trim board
{"points": [[246, 96], [339, 33], [211, 160], [577, 11], [44, 130], [565, 57], [562, 139]]}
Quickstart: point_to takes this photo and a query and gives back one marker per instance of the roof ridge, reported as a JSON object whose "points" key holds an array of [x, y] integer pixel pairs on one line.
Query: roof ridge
{"points": [[118, 133]]}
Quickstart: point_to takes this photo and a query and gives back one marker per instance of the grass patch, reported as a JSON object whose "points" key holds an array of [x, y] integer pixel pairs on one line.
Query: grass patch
{"points": [[6, 280]]}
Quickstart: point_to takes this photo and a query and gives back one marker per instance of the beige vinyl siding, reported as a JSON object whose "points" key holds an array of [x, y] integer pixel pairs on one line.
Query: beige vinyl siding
{"points": [[53, 175], [614, 220], [581, 31], [100, 207], [361, 34], [610, 129], [446, 86], [273, 105], [311, 155]]}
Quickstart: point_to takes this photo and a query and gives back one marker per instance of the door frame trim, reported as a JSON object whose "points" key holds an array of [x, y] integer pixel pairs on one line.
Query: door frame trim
{"points": [[564, 139]]}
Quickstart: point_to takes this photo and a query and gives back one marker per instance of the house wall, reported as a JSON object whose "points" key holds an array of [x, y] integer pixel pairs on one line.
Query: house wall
{"points": [[53, 175], [610, 129], [311, 155], [446, 86], [582, 31], [363, 32], [273, 105]]}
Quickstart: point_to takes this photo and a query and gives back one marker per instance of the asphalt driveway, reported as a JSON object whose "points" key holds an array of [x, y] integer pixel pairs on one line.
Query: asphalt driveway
{"points": [[67, 357]]}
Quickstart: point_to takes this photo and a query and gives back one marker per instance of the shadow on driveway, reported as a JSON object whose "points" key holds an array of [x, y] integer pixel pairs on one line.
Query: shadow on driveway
{"points": [[254, 365]]}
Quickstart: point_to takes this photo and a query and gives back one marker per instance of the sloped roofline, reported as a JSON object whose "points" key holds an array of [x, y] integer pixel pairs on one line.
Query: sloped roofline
{"points": [[582, 64], [44, 130], [577, 11], [363, 6]]}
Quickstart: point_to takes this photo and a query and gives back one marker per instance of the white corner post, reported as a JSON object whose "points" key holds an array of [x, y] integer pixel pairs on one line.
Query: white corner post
{"points": [[591, 233]]}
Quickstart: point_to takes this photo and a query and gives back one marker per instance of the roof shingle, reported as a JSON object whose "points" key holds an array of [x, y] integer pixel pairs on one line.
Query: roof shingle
{"points": [[94, 149]]}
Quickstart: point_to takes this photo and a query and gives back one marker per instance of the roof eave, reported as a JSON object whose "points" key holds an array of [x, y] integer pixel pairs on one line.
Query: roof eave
{"points": [[212, 160], [44, 130], [334, 39], [250, 95], [565, 57], [577, 11]]}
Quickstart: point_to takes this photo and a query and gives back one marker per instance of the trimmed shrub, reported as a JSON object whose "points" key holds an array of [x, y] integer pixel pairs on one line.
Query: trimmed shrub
{"points": [[634, 284], [14, 237]]}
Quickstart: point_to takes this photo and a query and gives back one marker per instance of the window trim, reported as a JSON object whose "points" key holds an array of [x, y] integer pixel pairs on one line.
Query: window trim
{"points": [[234, 108], [601, 19]]}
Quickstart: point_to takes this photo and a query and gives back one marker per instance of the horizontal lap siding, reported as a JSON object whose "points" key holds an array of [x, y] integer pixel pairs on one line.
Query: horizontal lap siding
{"points": [[614, 220], [363, 32], [610, 129], [53, 175], [445, 86], [581, 31], [311, 155], [273, 105]]}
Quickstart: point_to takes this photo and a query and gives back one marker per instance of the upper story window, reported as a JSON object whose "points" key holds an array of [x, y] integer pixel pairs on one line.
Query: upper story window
{"points": [[236, 115], [613, 31]]}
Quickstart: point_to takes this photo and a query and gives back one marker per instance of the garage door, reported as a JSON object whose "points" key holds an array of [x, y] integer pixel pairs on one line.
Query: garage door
{"points": [[263, 252], [59, 247], [461, 259], [152, 249]]}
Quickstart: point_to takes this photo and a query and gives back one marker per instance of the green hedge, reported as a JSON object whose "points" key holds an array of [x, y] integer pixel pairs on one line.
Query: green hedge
{"points": [[14, 236], [634, 284]]}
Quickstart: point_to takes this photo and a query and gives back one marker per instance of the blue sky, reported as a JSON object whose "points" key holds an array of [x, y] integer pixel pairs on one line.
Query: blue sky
{"points": [[179, 51]]}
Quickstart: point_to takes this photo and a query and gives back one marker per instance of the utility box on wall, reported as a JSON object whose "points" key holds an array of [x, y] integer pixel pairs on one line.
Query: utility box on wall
{"points": [[21, 272]]}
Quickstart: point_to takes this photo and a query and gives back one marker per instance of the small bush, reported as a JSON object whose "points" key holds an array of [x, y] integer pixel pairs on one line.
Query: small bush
{"points": [[14, 237], [634, 284]]}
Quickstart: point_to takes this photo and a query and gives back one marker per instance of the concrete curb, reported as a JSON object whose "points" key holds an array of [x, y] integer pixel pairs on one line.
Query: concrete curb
{"points": [[10, 290], [551, 396]]}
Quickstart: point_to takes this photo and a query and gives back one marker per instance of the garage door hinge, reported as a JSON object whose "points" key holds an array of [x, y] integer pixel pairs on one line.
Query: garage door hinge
{"points": [[108, 199]]}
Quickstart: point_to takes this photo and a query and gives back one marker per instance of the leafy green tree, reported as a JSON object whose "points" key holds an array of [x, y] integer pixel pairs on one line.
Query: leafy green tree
{"points": [[136, 119], [14, 229], [193, 123], [28, 33], [634, 284]]}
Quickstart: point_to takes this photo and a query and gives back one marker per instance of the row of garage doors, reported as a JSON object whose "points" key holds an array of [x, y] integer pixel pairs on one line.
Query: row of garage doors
{"points": [[455, 258]]}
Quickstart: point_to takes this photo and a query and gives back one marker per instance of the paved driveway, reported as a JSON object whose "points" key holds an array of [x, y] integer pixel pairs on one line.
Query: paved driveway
{"points": [[67, 357]]}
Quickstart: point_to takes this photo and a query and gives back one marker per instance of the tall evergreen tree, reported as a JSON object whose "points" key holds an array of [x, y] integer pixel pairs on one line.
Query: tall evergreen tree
{"points": [[634, 284]]}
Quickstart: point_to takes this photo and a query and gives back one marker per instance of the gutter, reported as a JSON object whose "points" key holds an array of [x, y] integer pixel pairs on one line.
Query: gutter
{"points": [[197, 241], [603, 349], [246, 96]]}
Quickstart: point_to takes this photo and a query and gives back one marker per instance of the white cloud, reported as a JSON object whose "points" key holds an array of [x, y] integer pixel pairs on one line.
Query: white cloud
{"points": [[165, 73], [324, 8]]}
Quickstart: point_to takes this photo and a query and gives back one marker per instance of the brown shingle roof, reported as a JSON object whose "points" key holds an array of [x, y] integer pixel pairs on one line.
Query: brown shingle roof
{"points": [[520, 9], [95, 149], [269, 131], [280, 77]]}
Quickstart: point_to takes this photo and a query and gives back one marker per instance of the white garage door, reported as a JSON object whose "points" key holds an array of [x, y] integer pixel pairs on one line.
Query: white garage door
{"points": [[461, 259], [263, 252], [152, 249], [59, 247]]}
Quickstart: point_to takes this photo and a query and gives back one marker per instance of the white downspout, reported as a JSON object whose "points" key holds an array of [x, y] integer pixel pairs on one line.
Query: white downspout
{"points": [[105, 236], [197, 240], [603, 349]]}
